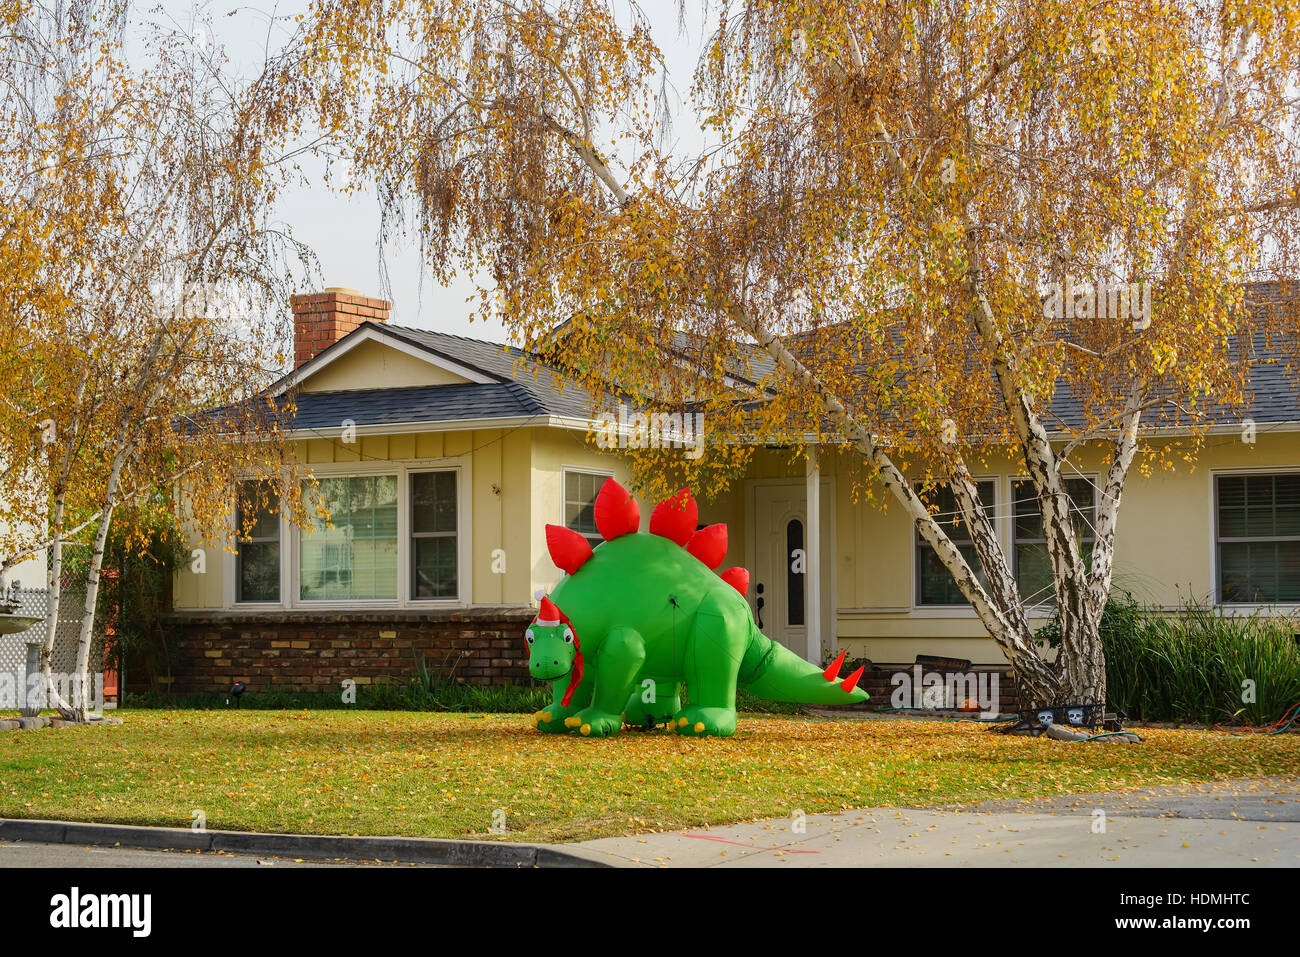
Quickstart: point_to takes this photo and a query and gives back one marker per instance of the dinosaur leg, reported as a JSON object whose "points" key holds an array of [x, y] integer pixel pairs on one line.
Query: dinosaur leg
{"points": [[713, 655], [621, 656], [654, 701], [551, 720]]}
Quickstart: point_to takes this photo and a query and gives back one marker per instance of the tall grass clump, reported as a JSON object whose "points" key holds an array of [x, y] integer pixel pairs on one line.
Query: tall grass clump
{"points": [[1197, 664]]}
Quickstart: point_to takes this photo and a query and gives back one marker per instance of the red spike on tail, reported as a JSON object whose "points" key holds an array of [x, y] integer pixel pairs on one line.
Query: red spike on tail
{"points": [[851, 682], [833, 672], [616, 511]]}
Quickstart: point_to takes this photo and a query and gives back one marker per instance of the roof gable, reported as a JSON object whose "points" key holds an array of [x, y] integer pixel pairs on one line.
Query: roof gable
{"points": [[376, 364], [372, 356]]}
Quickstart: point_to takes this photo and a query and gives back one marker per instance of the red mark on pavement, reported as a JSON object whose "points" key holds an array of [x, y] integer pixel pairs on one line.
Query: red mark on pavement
{"points": [[754, 847]]}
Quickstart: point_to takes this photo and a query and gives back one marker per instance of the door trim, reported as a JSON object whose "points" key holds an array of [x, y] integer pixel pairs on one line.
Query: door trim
{"points": [[830, 590]]}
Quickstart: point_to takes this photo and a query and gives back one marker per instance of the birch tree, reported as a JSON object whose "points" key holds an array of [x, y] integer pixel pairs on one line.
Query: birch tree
{"points": [[905, 229], [142, 181]]}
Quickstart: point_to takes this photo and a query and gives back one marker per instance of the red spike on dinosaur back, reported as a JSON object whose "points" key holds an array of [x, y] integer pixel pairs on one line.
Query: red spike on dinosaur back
{"points": [[833, 672], [737, 578], [616, 511], [568, 549], [709, 545], [675, 517], [851, 682]]}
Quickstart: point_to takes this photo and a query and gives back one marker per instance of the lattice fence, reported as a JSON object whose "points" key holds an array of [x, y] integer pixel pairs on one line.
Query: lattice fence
{"points": [[14, 649]]}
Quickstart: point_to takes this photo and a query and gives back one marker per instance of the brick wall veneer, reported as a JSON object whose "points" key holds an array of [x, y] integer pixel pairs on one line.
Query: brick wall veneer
{"points": [[316, 651]]}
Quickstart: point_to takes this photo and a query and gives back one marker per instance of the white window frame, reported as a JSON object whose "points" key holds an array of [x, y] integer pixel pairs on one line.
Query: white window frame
{"points": [[963, 609], [1235, 607], [1042, 606], [233, 575], [464, 545], [564, 498], [291, 543]]}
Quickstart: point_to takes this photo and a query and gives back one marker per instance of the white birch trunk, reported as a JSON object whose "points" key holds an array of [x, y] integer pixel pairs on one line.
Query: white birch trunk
{"points": [[53, 699], [1012, 635], [55, 582], [81, 674]]}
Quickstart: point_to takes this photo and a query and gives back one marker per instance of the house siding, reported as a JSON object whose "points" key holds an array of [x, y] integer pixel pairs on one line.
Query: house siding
{"points": [[516, 489], [1164, 552]]}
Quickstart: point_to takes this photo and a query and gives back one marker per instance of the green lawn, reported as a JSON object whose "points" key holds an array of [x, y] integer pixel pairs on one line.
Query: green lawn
{"points": [[443, 775]]}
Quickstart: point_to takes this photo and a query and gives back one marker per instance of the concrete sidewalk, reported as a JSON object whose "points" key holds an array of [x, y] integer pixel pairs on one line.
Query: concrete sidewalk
{"points": [[1252, 822]]}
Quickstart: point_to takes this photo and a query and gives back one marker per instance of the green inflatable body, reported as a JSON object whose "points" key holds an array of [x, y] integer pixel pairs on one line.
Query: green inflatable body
{"points": [[644, 612]]}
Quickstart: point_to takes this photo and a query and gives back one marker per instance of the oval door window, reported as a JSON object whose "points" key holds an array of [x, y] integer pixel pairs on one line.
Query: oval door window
{"points": [[794, 568]]}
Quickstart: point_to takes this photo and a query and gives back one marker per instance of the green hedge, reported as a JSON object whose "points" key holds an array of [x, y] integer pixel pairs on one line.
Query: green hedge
{"points": [[416, 695], [413, 696], [1196, 664]]}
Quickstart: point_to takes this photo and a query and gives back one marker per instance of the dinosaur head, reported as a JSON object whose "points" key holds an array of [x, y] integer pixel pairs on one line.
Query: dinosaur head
{"points": [[553, 648]]}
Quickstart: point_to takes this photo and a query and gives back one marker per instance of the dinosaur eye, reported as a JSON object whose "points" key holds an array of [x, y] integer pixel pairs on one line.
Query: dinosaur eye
{"points": [[528, 636], [568, 636]]}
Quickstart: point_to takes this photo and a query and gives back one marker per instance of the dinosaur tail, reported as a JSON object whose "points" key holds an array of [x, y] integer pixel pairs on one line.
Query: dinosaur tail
{"points": [[774, 672]]}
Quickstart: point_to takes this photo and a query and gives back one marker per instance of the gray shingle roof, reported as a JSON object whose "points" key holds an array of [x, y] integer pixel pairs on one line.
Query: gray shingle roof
{"points": [[320, 411], [504, 363], [525, 386], [1275, 391], [1273, 394]]}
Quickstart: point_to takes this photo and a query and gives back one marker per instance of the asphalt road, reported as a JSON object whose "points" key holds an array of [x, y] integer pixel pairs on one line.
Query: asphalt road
{"points": [[24, 854]]}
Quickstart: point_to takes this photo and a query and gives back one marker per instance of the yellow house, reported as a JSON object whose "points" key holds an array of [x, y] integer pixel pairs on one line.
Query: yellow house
{"points": [[443, 458]]}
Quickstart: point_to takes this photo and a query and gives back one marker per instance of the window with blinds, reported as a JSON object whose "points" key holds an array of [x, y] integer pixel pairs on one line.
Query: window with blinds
{"points": [[1257, 538]]}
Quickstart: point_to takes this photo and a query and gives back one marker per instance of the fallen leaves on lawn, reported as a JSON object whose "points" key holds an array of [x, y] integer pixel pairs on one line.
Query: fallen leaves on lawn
{"points": [[440, 775]]}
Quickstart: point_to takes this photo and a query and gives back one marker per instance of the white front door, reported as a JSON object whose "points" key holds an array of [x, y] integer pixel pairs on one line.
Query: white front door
{"points": [[780, 524]]}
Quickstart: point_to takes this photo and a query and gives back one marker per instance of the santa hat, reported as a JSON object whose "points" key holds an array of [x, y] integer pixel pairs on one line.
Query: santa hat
{"points": [[548, 616]]}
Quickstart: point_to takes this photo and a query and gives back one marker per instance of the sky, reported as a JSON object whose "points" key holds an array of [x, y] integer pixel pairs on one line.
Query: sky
{"points": [[344, 231]]}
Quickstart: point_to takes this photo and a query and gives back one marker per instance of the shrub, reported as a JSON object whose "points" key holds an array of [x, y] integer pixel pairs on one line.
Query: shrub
{"points": [[1196, 664], [494, 699]]}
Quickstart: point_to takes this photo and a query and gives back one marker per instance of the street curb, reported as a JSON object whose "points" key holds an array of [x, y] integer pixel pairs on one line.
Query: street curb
{"points": [[419, 850]]}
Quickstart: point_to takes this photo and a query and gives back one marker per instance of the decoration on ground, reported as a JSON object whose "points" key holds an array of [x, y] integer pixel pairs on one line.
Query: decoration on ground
{"points": [[643, 614], [1035, 721]]}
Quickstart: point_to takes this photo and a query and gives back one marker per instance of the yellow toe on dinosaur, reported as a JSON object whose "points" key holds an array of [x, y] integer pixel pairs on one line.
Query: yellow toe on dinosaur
{"points": [[572, 721], [699, 727], [681, 722], [586, 729]]}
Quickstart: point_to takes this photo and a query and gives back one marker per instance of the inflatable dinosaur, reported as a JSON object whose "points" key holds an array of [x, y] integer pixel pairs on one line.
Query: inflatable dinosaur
{"points": [[644, 612]]}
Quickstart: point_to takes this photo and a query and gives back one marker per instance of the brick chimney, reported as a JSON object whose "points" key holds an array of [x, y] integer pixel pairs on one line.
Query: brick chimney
{"points": [[321, 319]]}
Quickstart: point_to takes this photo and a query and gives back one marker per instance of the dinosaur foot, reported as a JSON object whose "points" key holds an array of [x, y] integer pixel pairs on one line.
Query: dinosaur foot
{"points": [[551, 720], [591, 723], [700, 722]]}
